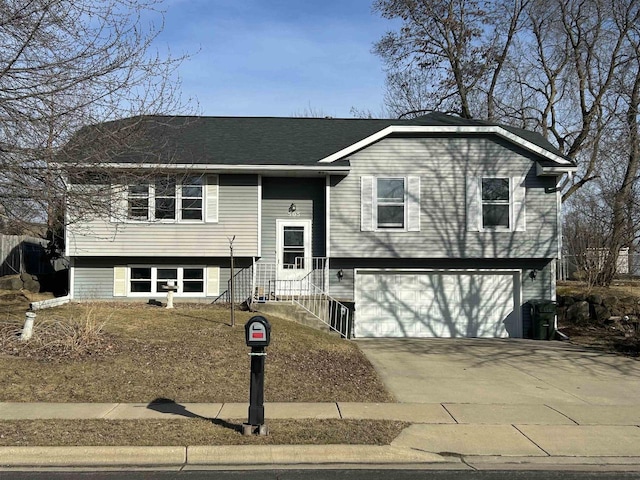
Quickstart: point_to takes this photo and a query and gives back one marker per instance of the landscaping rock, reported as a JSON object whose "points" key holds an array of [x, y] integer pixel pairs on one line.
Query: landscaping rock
{"points": [[578, 312], [580, 297], [10, 282], [595, 299], [600, 313], [612, 304], [30, 282]]}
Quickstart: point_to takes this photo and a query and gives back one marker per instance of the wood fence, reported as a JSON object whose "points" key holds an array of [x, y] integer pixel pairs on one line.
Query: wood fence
{"points": [[21, 253]]}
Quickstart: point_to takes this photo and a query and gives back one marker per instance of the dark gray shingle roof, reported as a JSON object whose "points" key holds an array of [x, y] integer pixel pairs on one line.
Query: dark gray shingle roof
{"points": [[267, 140]]}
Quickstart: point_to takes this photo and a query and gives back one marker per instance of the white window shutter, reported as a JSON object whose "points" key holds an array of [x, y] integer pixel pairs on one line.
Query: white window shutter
{"points": [[413, 198], [212, 194], [366, 203], [474, 205], [119, 281], [518, 194], [118, 204], [213, 281]]}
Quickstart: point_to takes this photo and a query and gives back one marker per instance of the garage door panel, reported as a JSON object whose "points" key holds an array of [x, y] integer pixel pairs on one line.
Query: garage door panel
{"points": [[437, 304]]}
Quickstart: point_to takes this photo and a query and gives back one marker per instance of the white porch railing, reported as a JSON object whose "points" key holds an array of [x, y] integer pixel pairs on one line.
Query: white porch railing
{"points": [[324, 307], [309, 292]]}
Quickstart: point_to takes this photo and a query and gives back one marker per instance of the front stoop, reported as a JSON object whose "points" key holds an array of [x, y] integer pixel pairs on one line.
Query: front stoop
{"points": [[291, 311]]}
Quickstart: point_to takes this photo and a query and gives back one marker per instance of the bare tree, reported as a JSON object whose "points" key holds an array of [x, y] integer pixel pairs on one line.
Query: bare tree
{"points": [[68, 64], [567, 69], [455, 49]]}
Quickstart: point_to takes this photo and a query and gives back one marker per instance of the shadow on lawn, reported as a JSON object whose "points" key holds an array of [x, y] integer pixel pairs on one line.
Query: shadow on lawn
{"points": [[166, 405]]}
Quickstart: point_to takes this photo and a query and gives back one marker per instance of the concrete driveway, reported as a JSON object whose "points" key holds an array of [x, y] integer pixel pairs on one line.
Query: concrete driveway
{"points": [[493, 371]]}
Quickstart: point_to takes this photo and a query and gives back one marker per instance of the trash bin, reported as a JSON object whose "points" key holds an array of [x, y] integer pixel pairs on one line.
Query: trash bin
{"points": [[543, 314]]}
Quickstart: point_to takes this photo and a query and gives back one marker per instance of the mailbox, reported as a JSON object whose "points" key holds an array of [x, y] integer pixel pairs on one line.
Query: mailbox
{"points": [[257, 332]]}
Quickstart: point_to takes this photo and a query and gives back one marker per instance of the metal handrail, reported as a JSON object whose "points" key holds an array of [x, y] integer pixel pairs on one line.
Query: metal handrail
{"points": [[324, 307]]}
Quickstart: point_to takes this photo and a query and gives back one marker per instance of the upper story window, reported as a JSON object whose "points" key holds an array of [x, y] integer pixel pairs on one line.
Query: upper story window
{"points": [[191, 201], [138, 202], [495, 203], [390, 202], [166, 198]]}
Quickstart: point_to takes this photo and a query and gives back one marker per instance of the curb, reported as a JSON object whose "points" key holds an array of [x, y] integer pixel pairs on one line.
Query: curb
{"points": [[214, 456], [251, 457], [91, 456]]}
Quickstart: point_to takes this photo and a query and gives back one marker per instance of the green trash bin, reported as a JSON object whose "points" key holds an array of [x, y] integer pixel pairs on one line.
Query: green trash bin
{"points": [[543, 314]]}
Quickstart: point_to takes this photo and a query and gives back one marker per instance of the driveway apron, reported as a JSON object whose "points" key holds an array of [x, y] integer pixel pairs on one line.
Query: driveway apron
{"points": [[497, 371]]}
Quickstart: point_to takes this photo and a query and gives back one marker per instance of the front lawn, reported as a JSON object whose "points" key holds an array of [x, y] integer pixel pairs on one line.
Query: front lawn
{"points": [[189, 354]]}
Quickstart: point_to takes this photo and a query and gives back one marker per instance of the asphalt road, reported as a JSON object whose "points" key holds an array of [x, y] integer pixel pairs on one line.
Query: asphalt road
{"points": [[321, 475]]}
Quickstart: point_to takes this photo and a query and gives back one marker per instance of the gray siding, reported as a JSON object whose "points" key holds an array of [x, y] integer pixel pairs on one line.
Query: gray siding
{"points": [[92, 280], [277, 195], [93, 277], [443, 165], [238, 215]]}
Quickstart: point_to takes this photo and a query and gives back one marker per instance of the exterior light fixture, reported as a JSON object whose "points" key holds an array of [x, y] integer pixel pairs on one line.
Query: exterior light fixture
{"points": [[340, 275], [533, 274], [292, 208]]}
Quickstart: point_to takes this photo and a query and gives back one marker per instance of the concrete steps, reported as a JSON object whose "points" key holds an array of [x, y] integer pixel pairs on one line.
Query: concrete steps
{"points": [[291, 311]]}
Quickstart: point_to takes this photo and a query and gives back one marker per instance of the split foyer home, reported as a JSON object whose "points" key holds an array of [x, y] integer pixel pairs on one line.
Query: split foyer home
{"points": [[432, 227]]}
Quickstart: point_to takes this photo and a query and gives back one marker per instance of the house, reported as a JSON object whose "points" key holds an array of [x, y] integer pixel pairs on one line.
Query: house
{"points": [[430, 227]]}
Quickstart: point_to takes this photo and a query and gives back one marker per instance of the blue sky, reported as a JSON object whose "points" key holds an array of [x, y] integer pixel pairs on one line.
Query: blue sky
{"points": [[277, 57]]}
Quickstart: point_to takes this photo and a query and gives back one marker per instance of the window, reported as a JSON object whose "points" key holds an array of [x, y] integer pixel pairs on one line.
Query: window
{"points": [[293, 247], [191, 198], [141, 280], [193, 280], [145, 281], [164, 276], [138, 202], [495, 203], [166, 199], [390, 202]]}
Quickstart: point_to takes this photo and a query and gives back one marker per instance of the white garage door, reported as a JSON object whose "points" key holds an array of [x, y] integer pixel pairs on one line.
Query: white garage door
{"points": [[437, 304]]}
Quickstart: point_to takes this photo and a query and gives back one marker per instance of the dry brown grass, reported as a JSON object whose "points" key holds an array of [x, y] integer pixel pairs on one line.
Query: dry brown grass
{"points": [[619, 288], [194, 432], [189, 354]]}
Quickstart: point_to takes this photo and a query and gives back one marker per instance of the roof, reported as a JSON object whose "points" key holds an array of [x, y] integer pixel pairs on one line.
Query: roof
{"points": [[278, 141]]}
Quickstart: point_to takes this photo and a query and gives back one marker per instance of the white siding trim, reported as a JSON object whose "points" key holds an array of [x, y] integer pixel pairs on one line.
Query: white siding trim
{"points": [[212, 198], [120, 281], [367, 192], [327, 221], [413, 204], [259, 215], [518, 204], [492, 129], [72, 278], [474, 204], [118, 204], [559, 217], [212, 289]]}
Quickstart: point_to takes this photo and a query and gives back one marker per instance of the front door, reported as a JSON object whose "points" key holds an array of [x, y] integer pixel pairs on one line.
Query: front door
{"points": [[293, 254]]}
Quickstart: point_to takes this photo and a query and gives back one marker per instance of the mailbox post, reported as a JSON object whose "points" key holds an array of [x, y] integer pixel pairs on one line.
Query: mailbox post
{"points": [[257, 336]]}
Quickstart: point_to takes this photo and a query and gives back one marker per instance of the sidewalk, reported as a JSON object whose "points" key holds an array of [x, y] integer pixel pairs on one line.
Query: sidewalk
{"points": [[448, 435]]}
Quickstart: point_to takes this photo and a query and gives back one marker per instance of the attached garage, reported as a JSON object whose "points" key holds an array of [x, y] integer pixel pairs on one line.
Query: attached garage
{"points": [[437, 303]]}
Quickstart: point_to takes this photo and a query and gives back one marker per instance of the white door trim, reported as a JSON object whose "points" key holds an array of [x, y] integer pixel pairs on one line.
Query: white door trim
{"points": [[293, 274]]}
